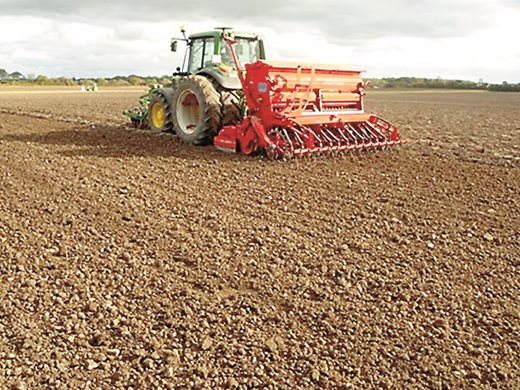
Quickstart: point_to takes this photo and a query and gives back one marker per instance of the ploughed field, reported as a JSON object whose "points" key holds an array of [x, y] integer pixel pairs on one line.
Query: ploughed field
{"points": [[129, 259]]}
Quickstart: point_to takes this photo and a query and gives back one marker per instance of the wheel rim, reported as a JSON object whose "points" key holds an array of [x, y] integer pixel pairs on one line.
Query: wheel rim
{"points": [[188, 111], [158, 115]]}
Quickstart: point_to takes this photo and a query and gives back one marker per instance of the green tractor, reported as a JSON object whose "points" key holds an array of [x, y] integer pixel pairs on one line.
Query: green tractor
{"points": [[205, 94]]}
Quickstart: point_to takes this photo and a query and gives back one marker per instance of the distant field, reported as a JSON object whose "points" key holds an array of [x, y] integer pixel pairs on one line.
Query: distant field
{"points": [[8, 89], [418, 90]]}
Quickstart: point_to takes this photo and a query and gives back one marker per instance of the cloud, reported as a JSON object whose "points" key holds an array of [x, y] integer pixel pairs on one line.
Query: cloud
{"points": [[339, 19], [12, 28], [96, 38]]}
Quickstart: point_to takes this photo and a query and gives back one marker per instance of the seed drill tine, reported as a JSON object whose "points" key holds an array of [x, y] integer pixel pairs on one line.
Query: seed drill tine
{"points": [[376, 130]]}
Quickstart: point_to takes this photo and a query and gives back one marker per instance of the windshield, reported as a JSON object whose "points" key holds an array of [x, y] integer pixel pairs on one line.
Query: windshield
{"points": [[248, 51], [201, 53]]}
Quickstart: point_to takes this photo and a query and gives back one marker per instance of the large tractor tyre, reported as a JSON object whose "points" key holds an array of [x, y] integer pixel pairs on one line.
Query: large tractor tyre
{"points": [[196, 110], [159, 111], [232, 110]]}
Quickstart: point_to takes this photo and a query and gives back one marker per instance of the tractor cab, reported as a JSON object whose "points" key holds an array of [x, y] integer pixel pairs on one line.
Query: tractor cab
{"points": [[208, 54]]}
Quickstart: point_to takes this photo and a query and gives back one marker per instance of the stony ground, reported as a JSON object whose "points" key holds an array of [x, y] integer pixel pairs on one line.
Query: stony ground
{"points": [[130, 260]]}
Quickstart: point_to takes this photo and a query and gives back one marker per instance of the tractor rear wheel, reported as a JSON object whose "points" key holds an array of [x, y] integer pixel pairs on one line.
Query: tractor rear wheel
{"points": [[233, 111], [196, 110], [159, 112]]}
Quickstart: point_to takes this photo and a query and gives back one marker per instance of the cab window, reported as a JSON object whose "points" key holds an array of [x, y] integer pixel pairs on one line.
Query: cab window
{"points": [[201, 53], [247, 51]]}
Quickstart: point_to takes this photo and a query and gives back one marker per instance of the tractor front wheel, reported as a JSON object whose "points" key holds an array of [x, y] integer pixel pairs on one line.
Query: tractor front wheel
{"points": [[196, 110]]}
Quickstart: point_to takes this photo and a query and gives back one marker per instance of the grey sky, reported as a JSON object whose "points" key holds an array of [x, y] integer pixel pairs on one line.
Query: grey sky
{"points": [[394, 37]]}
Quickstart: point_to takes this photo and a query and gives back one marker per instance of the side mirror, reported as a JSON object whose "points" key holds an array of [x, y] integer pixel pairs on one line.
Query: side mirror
{"points": [[173, 45]]}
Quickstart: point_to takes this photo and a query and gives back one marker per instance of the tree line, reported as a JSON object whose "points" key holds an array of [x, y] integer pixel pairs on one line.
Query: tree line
{"points": [[17, 78], [417, 82]]}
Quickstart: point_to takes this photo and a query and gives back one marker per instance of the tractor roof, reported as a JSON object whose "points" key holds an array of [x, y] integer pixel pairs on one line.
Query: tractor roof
{"points": [[217, 33]]}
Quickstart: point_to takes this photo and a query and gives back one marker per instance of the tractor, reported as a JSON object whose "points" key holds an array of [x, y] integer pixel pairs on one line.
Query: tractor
{"points": [[293, 109], [205, 94]]}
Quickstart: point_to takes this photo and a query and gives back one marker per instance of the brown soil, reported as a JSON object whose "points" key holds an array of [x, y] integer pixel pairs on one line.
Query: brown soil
{"points": [[128, 259]]}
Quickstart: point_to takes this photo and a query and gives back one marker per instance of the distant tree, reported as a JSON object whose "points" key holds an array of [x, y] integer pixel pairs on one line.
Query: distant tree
{"points": [[3, 74], [62, 81], [101, 82], [504, 87], [118, 82], [16, 76], [136, 80], [42, 80]]}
